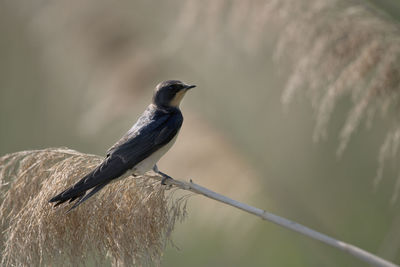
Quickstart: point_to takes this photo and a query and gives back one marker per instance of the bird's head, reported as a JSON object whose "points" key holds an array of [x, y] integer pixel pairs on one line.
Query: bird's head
{"points": [[170, 93]]}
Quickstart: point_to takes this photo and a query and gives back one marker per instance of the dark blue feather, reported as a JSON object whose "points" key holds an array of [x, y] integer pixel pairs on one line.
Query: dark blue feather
{"points": [[154, 129]]}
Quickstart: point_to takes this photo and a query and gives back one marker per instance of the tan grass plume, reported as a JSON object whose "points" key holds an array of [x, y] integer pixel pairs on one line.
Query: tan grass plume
{"points": [[331, 49], [127, 223], [340, 49]]}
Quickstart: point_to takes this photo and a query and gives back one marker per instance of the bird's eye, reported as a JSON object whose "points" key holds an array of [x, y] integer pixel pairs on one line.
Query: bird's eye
{"points": [[176, 87]]}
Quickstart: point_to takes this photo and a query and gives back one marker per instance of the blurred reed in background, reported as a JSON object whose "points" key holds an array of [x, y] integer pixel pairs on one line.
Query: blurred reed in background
{"points": [[330, 50]]}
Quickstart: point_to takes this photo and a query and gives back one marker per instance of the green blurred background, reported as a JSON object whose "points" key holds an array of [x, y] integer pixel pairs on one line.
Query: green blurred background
{"points": [[79, 73]]}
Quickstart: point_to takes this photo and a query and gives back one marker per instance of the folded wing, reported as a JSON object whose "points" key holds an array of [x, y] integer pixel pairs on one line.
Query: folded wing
{"points": [[124, 155]]}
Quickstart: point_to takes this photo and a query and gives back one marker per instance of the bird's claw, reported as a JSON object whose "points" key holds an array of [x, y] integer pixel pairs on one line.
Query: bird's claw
{"points": [[164, 179]]}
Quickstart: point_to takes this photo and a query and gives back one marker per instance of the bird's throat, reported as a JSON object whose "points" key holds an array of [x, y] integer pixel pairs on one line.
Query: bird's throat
{"points": [[176, 101]]}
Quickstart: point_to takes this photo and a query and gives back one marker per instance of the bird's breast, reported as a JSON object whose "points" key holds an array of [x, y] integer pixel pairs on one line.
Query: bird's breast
{"points": [[148, 163]]}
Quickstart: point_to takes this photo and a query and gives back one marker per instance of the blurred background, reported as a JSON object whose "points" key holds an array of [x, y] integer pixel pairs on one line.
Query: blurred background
{"points": [[295, 111]]}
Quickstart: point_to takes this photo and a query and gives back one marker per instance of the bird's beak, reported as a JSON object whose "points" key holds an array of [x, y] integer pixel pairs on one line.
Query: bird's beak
{"points": [[190, 87]]}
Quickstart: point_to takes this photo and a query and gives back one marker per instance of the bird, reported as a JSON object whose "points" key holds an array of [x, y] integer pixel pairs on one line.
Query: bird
{"points": [[139, 150]]}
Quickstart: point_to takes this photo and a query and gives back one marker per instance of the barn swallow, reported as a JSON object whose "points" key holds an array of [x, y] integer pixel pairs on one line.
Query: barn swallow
{"points": [[139, 150]]}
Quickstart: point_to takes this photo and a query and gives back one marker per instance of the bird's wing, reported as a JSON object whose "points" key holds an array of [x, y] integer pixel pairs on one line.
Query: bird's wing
{"points": [[132, 150], [146, 119], [109, 169], [153, 136]]}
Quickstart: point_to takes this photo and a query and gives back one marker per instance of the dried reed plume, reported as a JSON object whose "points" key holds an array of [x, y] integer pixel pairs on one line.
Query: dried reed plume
{"points": [[127, 223], [341, 50], [330, 49]]}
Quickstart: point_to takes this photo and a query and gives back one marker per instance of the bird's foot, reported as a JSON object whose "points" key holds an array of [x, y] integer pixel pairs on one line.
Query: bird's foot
{"points": [[165, 177], [163, 181]]}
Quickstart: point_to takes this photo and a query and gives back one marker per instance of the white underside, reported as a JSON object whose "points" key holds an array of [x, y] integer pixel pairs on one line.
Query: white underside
{"points": [[148, 163]]}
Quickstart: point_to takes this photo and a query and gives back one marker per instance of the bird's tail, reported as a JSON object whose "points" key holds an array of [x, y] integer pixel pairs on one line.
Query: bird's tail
{"points": [[76, 192], [108, 170], [87, 196]]}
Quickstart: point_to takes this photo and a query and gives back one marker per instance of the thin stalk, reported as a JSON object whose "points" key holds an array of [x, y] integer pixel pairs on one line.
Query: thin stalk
{"points": [[265, 215]]}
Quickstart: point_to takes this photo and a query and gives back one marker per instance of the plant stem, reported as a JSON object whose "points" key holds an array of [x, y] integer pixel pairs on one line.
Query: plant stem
{"points": [[348, 248]]}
